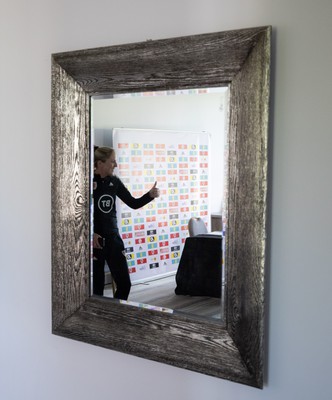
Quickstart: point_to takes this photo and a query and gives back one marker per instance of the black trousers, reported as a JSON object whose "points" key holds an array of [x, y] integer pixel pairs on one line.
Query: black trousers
{"points": [[113, 253]]}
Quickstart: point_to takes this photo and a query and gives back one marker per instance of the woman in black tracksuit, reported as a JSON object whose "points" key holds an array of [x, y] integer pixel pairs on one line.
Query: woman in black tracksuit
{"points": [[107, 243]]}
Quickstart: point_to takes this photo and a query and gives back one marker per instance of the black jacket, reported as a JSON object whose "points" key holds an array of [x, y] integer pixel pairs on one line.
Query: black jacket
{"points": [[105, 191]]}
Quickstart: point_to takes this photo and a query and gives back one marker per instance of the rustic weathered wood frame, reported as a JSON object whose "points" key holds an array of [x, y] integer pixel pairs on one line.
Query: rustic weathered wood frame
{"points": [[239, 59]]}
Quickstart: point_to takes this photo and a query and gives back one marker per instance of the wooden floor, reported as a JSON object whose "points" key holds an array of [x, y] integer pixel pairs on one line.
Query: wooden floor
{"points": [[160, 293]]}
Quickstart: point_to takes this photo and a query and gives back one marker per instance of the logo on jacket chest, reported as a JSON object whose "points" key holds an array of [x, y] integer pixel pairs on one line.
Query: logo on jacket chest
{"points": [[105, 203]]}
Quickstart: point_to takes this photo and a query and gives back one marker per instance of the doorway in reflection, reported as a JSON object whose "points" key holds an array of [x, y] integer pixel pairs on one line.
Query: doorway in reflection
{"points": [[175, 116]]}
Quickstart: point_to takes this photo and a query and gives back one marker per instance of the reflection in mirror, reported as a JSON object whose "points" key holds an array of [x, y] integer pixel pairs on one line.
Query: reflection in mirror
{"points": [[177, 139]]}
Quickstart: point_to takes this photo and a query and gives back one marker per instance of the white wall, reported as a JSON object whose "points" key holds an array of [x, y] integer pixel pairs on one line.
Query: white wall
{"points": [[36, 365]]}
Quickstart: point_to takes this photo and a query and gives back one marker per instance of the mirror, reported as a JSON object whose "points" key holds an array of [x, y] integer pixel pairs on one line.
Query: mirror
{"points": [[154, 124], [239, 59]]}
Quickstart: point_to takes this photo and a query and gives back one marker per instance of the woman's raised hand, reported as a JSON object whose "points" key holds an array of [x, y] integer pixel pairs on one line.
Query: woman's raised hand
{"points": [[154, 192]]}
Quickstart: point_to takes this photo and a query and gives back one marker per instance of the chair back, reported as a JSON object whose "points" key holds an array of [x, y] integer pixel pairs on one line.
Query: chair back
{"points": [[196, 226]]}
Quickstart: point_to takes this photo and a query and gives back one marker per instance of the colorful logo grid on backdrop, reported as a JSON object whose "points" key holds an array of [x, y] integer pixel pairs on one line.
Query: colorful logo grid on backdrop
{"points": [[179, 161]]}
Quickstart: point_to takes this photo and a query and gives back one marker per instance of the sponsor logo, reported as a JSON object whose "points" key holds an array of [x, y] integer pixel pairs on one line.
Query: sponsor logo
{"points": [[105, 203]]}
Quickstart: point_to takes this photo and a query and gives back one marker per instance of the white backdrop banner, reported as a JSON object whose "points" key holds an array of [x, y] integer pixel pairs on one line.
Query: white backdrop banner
{"points": [[179, 162]]}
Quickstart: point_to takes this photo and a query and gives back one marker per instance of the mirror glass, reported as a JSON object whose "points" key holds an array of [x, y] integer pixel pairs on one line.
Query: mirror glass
{"points": [[178, 139]]}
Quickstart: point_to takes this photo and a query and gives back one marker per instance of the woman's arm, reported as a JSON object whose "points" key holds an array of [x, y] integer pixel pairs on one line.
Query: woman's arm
{"points": [[135, 203]]}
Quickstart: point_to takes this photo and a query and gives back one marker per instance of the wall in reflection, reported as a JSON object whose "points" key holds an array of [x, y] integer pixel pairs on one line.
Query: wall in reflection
{"points": [[183, 112]]}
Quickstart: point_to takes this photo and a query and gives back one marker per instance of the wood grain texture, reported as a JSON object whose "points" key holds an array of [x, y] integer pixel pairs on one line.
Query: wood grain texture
{"points": [[180, 341], [247, 206], [70, 195], [207, 60], [238, 58]]}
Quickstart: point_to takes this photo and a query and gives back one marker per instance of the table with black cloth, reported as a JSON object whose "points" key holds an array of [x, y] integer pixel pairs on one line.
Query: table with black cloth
{"points": [[199, 271]]}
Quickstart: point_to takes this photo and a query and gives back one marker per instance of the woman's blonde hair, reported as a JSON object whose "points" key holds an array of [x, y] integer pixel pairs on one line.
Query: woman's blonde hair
{"points": [[102, 154]]}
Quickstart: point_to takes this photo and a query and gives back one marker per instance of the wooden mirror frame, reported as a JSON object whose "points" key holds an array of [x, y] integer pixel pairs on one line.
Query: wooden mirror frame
{"points": [[239, 59]]}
